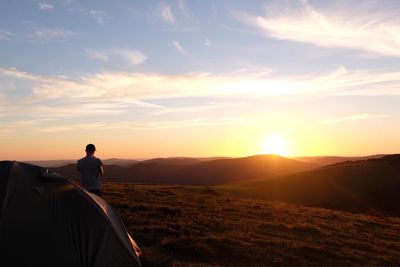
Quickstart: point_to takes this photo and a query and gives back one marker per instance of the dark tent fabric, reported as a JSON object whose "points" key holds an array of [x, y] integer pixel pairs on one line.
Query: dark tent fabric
{"points": [[46, 220]]}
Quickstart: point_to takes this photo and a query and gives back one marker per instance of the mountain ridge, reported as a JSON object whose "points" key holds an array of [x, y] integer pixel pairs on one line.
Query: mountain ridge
{"points": [[210, 172]]}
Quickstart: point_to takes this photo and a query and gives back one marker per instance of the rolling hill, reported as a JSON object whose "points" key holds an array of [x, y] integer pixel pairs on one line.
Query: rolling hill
{"points": [[229, 170], [183, 161], [371, 185], [50, 163], [60, 163], [179, 171], [329, 160], [120, 162]]}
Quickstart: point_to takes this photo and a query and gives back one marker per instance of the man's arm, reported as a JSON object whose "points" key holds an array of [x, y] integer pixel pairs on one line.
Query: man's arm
{"points": [[101, 170]]}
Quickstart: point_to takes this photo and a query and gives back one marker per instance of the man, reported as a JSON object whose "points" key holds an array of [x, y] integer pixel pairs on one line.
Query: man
{"points": [[91, 169]]}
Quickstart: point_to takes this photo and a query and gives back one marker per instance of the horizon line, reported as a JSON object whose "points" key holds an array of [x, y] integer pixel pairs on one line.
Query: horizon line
{"points": [[205, 157]]}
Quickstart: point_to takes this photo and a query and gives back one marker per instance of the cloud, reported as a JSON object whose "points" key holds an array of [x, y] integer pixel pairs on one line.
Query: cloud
{"points": [[98, 15], [77, 109], [134, 56], [116, 95], [97, 55], [52, 34], [50, 125], [134, 86], [45, 6], [353, 118], [107, 100], [166, 14], [13, 72], [207, 42], [368, 28], [142, 125], [178, 47], [5, 35], [196, 109]]}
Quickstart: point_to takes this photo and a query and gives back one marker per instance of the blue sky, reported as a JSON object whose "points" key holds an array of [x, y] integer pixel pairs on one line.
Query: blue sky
{"points": [[324, 75]]}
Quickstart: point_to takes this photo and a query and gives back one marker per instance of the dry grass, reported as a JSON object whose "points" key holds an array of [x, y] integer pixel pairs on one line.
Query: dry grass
{"points": [[179, 226]]}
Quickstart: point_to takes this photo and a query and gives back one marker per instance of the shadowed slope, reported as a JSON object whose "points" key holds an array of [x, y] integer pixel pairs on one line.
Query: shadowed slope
{"points": [[371, 185], [328, 160]]}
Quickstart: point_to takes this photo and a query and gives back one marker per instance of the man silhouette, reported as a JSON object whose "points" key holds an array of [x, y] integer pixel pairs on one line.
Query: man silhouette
{"points": [[91, 169]]}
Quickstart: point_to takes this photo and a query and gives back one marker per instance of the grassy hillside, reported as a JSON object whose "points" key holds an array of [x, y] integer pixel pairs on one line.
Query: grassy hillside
{"points": [[328, 160], [187, 226], [368, 186], [192, 172]]}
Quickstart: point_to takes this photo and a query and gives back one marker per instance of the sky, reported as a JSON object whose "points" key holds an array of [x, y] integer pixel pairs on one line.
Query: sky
{"points": [[144, 79]]}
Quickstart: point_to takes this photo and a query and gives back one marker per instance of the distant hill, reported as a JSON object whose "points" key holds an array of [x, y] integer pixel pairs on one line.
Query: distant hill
{"points": [[120, 162], [59, 163], [371, 185], [229, 170], [181, 161], [199, 173], [328, 160], [51, 163], [173, 161]]}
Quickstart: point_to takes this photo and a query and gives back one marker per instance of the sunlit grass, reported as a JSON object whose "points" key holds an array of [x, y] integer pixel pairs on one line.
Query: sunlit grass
{"points": [[197, 226]]}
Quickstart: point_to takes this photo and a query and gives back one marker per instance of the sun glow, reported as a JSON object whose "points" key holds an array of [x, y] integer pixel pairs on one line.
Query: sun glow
{"points": [[275, 144]]}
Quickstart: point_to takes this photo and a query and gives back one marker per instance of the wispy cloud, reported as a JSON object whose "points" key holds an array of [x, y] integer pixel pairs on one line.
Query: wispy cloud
{"points": [[353, 118], [143, 125], [178, 47], [49, 125], [132, 56], [13, 72], [99, 55], [118, 93], [45, 6], [113, 96], [77, 109], [207, 42], [124, 86], [98, 15], [196, 109], [166, 14], [368, 27], [52, 34], [5, 35]]}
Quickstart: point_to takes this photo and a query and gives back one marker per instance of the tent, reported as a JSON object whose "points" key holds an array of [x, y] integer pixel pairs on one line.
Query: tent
{"points": [[46, 220]]}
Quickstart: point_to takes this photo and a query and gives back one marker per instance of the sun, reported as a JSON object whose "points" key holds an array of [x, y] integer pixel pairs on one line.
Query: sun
{"points": [[275, 144]]}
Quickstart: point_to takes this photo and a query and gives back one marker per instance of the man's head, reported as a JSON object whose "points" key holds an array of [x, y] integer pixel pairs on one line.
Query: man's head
{"points": [[90, 149]]}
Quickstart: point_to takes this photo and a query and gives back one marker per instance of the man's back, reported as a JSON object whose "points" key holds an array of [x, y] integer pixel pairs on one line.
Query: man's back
{"points": [[90, 168]]}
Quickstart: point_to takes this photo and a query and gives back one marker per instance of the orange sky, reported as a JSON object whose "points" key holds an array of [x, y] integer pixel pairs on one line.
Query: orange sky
{"points": [[225, 140]]}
